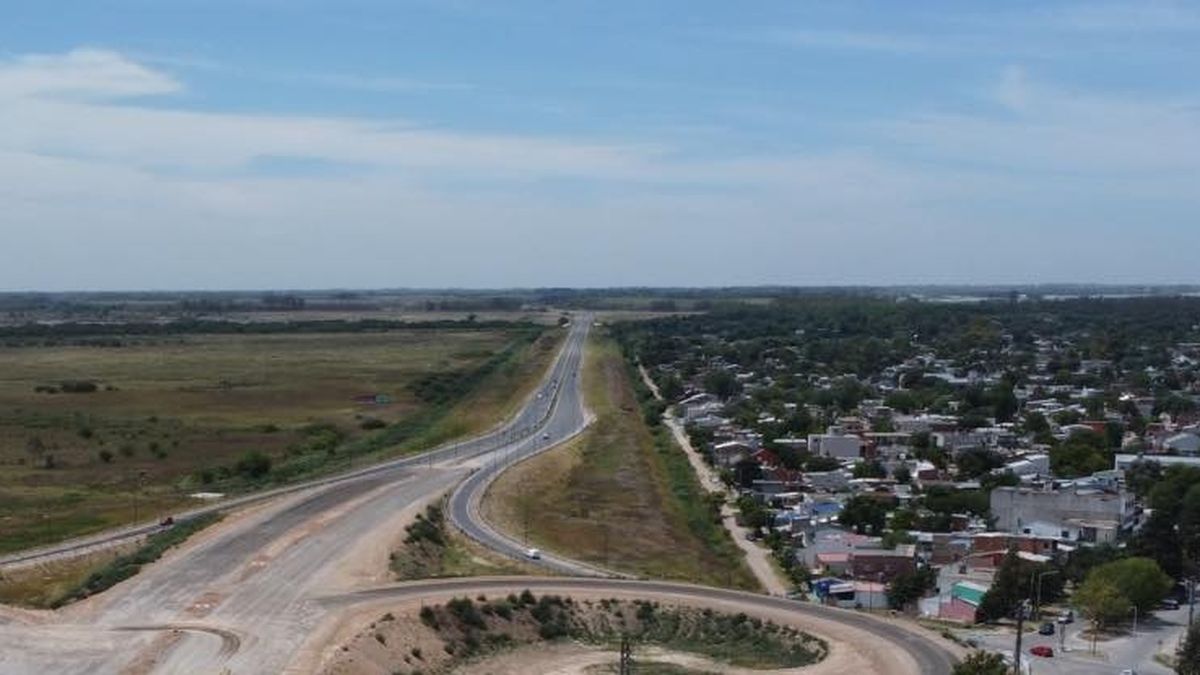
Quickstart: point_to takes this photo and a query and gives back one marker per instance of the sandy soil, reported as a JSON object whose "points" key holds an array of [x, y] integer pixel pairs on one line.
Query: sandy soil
{"points": [[579, 659], [851, 650]]}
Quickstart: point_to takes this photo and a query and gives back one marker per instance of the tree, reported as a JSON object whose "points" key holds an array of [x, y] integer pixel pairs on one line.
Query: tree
{"points": [[253, 465], [974, 462], [871, 469], [1188, 656], [982, 663], [1079, 456], [819, 463], [1141, 476], [865, 514], [721, 383], [1101, 603], [1007, 592], [1140, 581], [105, 456], [1004, 402], [908, 587]]}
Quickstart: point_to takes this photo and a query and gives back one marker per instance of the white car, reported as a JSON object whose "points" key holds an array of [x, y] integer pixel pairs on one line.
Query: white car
{"points": [[533, 554]]}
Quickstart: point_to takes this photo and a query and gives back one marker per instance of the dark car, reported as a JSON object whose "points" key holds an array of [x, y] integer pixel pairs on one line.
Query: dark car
{"points": [[1042, 650], [166, 522], [1046, 628]]}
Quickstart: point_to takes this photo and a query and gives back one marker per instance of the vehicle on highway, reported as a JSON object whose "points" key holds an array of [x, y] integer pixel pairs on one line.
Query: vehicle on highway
{"points": [[1046, 628], [533, 554], [546, 436], [1042, 650], [1169, 603], [1069, 617]]}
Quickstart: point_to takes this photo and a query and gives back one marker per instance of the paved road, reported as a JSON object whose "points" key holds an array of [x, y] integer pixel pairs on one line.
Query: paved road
{"points": [[1159, 634], [568, 419], [241, 597], [246, 596]]}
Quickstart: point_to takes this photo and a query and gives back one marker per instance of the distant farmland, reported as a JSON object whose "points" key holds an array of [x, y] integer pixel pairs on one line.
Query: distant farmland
{"points": [[89, 433]]}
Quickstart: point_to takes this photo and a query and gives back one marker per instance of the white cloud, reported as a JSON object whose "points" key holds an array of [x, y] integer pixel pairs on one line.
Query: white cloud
{"points": [[849, 40], [81, 73], [1050, 128], [169, 193], [1158, 16]]}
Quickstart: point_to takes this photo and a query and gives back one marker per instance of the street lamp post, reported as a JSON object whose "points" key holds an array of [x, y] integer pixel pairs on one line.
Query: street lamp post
{"points": [[1037, 605]]}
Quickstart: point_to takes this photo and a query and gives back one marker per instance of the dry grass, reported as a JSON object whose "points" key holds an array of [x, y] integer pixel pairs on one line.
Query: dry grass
{"points": [[42, 585], [183, 403], [606, 498]]}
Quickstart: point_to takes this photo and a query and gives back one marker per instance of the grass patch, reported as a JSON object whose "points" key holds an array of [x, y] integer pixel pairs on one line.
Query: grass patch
{"points": [[173, 414], [431, 549], [40, 586], [622, 496]]}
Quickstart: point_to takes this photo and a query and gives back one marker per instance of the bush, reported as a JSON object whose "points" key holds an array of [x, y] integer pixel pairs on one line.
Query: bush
{"points": [[105, 456], [466, 612], [253, 465], [77, 386], [429, 618]]}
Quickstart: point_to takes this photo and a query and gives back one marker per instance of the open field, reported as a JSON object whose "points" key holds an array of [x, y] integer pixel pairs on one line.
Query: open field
{"points": [[173, 415], [614, 497]]}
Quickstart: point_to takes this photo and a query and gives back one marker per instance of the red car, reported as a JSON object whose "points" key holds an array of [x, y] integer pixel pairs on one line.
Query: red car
{"points": [[1042, 650]]}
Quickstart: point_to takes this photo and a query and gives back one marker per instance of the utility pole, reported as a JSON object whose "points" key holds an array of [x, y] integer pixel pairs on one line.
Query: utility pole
{"points": [[1021, 611], [626, 664], [1191, 600]]}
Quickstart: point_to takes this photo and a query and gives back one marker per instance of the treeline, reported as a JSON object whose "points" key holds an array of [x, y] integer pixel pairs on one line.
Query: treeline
{"points": [[211, 327]]}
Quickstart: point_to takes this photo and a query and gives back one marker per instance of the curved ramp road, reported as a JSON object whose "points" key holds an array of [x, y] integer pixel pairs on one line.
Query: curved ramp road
{"points": [[246, 596]]}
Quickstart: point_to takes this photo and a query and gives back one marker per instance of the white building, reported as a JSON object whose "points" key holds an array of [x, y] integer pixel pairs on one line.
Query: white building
{"points": [[838, 446]]}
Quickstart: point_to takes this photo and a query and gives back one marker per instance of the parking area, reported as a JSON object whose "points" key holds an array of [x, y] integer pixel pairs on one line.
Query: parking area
{"points": [[1072, 651]]}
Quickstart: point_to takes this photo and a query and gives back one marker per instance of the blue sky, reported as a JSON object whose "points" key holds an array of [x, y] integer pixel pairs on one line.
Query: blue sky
{"points": [[471, 143]]}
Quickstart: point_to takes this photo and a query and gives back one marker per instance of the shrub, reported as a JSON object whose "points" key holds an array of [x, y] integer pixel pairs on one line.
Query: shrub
{"points": [[253, 465]]}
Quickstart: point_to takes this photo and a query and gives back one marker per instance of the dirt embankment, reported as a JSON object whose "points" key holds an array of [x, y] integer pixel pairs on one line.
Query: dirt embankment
{"points": [[471, 631]]}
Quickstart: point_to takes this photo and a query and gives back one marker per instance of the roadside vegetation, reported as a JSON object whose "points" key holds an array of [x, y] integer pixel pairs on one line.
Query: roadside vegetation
{"points": [[432, 549], [101, 426], [54, 585], [622, 495], [443, 637]]}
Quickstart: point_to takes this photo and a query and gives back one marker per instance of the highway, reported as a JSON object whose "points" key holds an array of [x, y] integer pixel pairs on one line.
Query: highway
{"points": [[248, 596]]}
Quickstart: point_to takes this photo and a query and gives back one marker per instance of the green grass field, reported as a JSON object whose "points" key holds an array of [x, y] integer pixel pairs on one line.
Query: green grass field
{"points": [[616, 496], [174, 415]]}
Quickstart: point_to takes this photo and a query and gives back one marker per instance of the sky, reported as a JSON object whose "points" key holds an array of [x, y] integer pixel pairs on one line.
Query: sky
{"points": [[214, 144]]}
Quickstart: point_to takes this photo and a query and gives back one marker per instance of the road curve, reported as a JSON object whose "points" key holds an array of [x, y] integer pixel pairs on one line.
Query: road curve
{"points": [[565, 420], [930, 656]]}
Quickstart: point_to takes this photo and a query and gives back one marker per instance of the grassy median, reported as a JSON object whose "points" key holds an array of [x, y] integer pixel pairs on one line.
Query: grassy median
{"points": [[621, 495]]}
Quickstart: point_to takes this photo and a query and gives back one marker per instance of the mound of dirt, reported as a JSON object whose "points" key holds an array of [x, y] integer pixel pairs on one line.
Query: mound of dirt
{"points": [[441, 638]]}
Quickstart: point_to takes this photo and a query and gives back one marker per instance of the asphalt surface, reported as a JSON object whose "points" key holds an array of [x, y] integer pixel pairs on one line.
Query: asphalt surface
{"points": [[246, 597]]}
